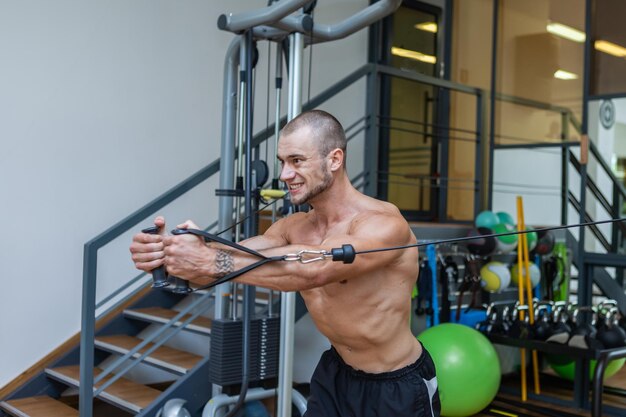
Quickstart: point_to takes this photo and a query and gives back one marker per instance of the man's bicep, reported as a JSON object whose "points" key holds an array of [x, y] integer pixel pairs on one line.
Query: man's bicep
{"points": [[377, 232], [380, 231]]}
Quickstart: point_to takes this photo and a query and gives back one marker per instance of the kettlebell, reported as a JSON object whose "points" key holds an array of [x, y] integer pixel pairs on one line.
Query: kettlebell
{"points": [[541, 328], [611, 335], [520, 328], [584, 334], [561, 331]]}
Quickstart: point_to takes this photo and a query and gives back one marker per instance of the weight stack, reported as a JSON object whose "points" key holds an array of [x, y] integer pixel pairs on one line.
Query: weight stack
{"points": [[227, 350]]}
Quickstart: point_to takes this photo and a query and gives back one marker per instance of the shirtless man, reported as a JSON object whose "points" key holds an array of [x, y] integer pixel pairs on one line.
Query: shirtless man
{"points": [[375, 367]]}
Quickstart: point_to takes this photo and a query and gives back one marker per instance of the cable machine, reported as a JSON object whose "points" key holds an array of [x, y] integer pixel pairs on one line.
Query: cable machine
{"points": [[282, 23]]}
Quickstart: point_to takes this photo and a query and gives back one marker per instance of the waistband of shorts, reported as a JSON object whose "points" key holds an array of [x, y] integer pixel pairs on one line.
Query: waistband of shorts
{"points": [[395, 374]]}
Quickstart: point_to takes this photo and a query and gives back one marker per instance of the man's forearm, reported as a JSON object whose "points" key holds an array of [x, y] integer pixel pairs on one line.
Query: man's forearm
{"points": [[224, 263]]}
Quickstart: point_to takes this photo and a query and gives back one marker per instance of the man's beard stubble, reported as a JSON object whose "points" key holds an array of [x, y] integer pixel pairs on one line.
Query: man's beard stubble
{"points": [[327, 180]]}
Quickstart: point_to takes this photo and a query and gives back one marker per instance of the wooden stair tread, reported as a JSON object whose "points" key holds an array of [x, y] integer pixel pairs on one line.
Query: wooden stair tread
{"points": [[123, 392], [38, 407], [163, 315], [164, 356]]}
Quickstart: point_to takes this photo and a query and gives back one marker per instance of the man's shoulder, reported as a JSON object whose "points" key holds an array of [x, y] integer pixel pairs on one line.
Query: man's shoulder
{"points": [[376, 209]]}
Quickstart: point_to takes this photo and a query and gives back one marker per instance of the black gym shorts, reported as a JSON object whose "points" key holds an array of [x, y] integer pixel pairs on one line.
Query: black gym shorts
{"points": [[338, 390]]}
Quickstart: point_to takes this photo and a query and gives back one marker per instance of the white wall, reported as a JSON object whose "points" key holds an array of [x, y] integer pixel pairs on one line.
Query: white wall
{"points": [[103, 106]]}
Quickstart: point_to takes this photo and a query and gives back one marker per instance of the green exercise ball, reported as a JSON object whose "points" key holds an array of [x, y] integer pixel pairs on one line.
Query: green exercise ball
{"points": [[531, 238], [504, 244], [567, 370], [506, 219], [486, 219], [468, 371]]}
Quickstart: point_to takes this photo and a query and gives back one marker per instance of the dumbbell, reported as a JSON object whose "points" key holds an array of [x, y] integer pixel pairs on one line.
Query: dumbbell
{"points": [[159, 275]]}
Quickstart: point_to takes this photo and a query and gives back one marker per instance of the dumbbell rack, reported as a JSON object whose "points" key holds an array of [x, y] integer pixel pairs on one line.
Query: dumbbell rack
{"points": [[582, 358]]}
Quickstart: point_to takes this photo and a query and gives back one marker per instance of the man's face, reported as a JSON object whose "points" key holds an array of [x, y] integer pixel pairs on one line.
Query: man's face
{"points": [[306, 173]]}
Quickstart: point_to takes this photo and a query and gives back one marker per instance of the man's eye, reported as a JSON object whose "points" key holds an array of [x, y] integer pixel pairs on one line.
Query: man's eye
{"points": [[297, 160]]}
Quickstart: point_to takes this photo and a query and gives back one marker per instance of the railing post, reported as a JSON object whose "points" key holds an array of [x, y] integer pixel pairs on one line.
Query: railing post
{"points": [[88, 330], [565, 116], [481, 199], [372, 142]]}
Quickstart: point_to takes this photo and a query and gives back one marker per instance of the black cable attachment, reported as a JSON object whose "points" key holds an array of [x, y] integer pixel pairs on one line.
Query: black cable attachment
{"points": [[345, 253]]}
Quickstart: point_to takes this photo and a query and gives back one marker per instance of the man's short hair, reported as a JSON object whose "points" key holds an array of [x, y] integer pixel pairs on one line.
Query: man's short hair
{"points": [[326, 128]]}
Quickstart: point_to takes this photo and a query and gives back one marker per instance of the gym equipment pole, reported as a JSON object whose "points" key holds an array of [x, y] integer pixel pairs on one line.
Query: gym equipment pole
{"points": [[227, 164], [288, 299]]}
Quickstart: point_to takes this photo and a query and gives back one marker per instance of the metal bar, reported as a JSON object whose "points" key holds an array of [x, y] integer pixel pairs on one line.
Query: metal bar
{"points": [[598, 378], [240, 22], [597, 193], [227, 147], [432, 136], [123, 300], [356, 22], [88, 330], [609, 172], [118, 361], [588, 52], [288, 299], [435, 125], [443, 113], [531, 103], [564, 182], [164, 199], [372, 142], [539, 145], [120, 290], [606, 260], [586, 282], [426, 79], [147, 352], [318, 100], [594, 229], [492, 110], [606, 96], [615, 213], [481, 196]]}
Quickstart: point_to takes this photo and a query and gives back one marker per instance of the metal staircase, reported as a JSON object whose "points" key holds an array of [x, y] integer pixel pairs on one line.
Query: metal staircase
{"points": [[184, 374]]}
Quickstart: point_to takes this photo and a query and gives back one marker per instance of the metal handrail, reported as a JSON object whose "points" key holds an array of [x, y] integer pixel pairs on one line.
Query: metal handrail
{"points": [[596, 152], [569, 117], [90, 262]]}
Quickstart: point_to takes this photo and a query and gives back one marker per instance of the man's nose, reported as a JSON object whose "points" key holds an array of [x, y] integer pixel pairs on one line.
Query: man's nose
{"points": [[286, 173]]}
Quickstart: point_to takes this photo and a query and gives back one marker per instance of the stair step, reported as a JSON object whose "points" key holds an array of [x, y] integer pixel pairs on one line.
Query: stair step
{"points": [[161, 315], [123, 393], [164, 357], [38, 407]]}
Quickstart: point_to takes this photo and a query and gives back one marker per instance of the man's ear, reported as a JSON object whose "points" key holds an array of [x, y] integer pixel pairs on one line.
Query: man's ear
{"points": [[336, 159]]}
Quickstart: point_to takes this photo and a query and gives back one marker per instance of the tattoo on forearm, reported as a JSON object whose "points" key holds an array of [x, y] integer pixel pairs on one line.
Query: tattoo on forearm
{"points": [[224, 263]]}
